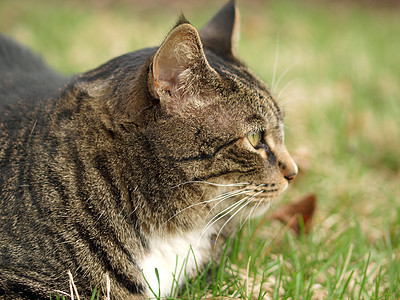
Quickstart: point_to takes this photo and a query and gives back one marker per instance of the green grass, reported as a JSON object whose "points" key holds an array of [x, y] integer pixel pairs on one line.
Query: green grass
{"points": [[341, 93]]}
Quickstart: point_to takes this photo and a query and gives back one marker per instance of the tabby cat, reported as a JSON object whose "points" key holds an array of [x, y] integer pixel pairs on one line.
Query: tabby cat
{"points": [[145, 162]]}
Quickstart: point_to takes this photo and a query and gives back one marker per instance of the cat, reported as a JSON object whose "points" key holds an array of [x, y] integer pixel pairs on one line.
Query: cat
{"points": [[146, 162]]}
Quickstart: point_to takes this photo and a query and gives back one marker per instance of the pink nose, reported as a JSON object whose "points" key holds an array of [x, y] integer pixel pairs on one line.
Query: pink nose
{"points": [[289, 170], [287, 165], [290, 177]]}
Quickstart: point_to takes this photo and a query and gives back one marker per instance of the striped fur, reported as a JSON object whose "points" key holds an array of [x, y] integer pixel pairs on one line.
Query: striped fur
{"points": [[97, 169]]}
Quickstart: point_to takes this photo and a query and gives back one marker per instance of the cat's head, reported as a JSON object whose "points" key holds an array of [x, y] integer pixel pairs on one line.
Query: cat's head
{"points": [[222, 125], [207, 126]]}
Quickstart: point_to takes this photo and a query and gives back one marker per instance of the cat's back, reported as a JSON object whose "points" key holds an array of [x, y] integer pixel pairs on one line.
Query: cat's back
{"points": [[24, 77], [27, 85]]}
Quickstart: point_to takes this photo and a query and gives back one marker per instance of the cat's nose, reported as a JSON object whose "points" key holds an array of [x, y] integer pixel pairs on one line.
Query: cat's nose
{"points": [[290, 177], [289, 169], [287, 165]]}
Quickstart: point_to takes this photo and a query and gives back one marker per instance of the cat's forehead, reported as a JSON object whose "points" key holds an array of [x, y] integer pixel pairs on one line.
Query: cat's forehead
{"points": [[250, 97], [244, 86]]}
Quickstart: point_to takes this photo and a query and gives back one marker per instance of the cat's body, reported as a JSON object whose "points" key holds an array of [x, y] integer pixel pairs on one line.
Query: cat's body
{"points": [[140, 164]]}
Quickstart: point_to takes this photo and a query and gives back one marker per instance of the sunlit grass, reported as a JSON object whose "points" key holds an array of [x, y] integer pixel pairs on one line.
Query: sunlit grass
{"points": [[341, 95]]}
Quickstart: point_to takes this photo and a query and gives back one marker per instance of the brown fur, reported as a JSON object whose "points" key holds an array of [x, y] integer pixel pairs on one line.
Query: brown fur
{"points": [[89, 176]]}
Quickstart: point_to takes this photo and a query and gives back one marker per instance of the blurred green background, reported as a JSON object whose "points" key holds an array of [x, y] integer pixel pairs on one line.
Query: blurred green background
{"points": [[335, 66]]}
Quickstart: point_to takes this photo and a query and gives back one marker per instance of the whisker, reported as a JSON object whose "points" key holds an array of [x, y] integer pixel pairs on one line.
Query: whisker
{"points": [[250, 213], [210, 183], [226, 222], [286, 99], [285, 87], [284, 73], [243, 206], [248, 201], [218, 217], [223, 197], [243, 191], [223, 213], [276, 63]]}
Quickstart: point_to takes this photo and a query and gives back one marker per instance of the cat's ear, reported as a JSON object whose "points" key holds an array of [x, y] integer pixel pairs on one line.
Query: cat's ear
{"points": [[178, 66], [221, 33]]}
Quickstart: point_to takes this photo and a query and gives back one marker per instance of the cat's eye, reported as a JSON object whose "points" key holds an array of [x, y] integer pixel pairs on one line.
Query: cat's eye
{"points": [[254, 138]]}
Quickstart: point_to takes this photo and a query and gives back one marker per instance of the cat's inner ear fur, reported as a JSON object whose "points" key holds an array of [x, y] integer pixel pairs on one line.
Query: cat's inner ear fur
{"points": [[177, 69], [221, 33]]}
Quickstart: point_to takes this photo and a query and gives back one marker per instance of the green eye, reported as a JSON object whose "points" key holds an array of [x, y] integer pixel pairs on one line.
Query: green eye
{"points": [[254, 138]]}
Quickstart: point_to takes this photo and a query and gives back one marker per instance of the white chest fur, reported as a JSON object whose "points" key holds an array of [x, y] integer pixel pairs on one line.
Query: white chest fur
{"points": [[175, 258]]}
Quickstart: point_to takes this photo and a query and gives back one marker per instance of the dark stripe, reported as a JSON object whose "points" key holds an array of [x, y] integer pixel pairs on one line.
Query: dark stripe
{"points": [[59, 187], [31, 183], [98, 251], [270, 154], [238, 157], [108, 132], [69, 251], [72, 93], [79, 172], [143, 240], [7, 154], [65, 114], [133, 220], [80, 97], [224, 173], [255, 118], [17, 284], [25, 164], [102, 228], [91, 208], [101, 163], [21, 289], [208, 156]]}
